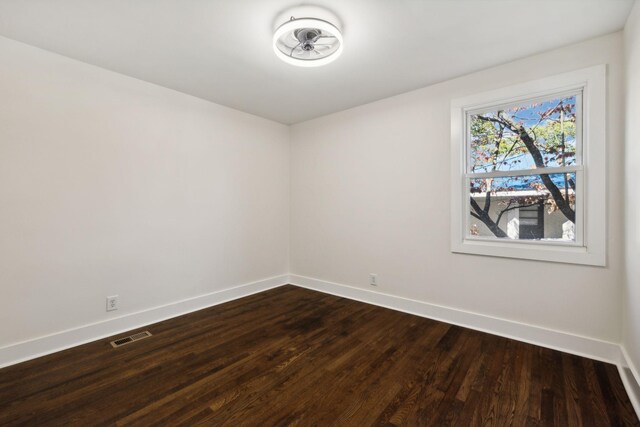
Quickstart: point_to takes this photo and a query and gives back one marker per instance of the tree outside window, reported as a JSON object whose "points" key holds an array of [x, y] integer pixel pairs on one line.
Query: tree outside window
{"points": [[523, 164]]}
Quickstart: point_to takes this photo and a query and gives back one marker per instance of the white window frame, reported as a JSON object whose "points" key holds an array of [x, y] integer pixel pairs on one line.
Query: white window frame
{"points": [[591, 195]]}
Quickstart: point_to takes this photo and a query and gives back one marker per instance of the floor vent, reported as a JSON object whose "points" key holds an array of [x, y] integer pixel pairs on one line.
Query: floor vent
{"points": [[131, 338]]}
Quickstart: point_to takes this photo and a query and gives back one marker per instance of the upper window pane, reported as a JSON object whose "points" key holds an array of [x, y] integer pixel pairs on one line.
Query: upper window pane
{"points": [[526, 136]]}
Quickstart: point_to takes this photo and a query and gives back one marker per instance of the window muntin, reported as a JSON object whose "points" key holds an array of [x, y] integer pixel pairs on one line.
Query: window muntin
{"points": [[508, 147]]}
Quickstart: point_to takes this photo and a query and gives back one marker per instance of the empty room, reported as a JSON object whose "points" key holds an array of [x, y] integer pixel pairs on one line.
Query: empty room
{"points": [[354, 213]]}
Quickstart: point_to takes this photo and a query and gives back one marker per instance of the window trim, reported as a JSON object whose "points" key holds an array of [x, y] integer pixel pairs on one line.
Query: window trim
{"points": [[591, 216]]}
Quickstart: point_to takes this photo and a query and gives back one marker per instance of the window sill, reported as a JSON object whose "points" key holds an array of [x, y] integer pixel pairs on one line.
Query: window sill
{"points": [[569, 254]]}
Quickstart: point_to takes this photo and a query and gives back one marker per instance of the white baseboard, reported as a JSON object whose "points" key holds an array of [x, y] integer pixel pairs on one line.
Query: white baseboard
{"points": [[26, 350], [557, 340], [630, 378], [570, 343]]}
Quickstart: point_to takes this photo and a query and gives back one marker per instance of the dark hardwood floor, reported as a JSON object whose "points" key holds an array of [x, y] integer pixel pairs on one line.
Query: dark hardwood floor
{"points": [[291, 356]]}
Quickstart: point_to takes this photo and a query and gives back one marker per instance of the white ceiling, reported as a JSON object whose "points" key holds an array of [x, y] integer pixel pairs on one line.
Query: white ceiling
{"points": [[220, 50]]}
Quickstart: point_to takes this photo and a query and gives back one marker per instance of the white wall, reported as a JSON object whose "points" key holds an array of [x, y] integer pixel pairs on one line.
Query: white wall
{"points": [[110, 185], [631, 300], [369, 195]]}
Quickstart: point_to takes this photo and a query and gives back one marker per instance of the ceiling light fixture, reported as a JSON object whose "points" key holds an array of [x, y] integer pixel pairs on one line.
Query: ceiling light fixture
{"points": [[307, 42]]}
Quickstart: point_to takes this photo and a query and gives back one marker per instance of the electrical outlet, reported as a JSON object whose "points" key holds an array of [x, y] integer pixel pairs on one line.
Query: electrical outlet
{"points": [[112, 303], [373, 279]]}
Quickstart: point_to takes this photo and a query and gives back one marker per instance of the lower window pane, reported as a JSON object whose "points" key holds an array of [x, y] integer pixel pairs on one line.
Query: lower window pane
{"points": [[529, 207]]}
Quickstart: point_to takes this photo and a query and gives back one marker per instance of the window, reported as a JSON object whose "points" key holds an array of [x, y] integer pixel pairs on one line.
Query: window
{"points": [[528, 170], [508, 148]]}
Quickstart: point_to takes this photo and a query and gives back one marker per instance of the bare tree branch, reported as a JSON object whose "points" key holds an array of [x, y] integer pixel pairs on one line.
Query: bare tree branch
{"points": [[561, 202], [486, 219], [507, 209], [513, 208]]}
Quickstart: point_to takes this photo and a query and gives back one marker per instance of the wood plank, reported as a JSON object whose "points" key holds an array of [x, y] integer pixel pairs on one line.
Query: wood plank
{"points": [[292, 356]]}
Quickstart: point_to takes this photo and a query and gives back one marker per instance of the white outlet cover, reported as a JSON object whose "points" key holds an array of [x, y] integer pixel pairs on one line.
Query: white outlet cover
{"points": [[112, 303]]}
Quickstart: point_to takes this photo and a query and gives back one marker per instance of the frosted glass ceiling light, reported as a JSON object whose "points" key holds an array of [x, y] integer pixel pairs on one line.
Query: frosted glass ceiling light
{"points": [[307, 42]]}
